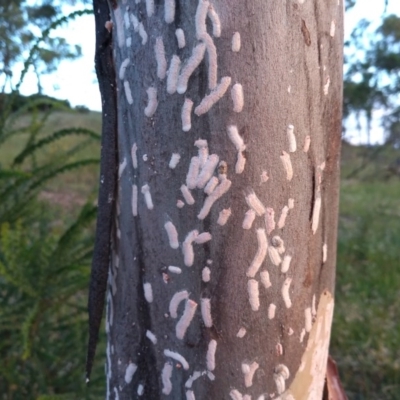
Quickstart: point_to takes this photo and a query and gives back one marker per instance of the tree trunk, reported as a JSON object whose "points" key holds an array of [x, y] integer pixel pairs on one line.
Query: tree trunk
{"points": [[223, 252]]}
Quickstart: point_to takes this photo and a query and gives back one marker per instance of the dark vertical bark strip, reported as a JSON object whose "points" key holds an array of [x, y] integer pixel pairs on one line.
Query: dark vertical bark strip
{"points": [[108, 170]]}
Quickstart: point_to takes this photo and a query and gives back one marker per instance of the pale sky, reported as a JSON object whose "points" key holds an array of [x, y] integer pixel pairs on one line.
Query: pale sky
{"points": [[76, 80]]}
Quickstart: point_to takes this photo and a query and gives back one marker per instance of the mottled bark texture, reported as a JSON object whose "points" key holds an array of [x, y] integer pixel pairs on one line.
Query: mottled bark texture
{"points": [[223, 288]]}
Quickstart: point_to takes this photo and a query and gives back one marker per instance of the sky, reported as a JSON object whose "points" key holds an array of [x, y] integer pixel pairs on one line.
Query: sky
{"points": [[76, 80]]}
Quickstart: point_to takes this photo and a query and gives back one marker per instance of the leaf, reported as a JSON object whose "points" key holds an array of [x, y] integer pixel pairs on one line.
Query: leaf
{"points": [[334, 386]]}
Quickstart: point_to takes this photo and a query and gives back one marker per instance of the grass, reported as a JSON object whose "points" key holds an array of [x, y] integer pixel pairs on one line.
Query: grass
{"points": [[366, 336], [71, 189]]}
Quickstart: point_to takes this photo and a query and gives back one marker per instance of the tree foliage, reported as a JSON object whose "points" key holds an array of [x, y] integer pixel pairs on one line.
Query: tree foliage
{"points": [[22, 22], [372, 74]]}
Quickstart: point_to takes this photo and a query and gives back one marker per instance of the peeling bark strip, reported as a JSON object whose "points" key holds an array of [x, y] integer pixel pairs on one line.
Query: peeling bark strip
{"points": [[310, 378], [221, 130], [101, 255]]}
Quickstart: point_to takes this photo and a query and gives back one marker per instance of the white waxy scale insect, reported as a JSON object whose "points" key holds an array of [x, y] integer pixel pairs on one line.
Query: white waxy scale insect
{"points": [[218, 192], [166, 375], [265, 280], [135, 22], [203, 238], [186, 319], [241, 333], [326, 86], [186, 115], [190, 66], [223, 216], [152, 104], [271, 311], [333, 28], [286, 263], [129, 372], [260, 255], [249, 371], [143, 33], [147, 196], [212, 60], [148, 292], [235, 395], [282, 218], [174, 270], [190, 395], [175, 158], [151, 336], [249, 219], [187, 195], [207, 171], [252, 289], [134, 156], [216, 94], [180, 37], [176, 299], [211, 185], [274, 255], [216, 23], [187, 248], [119, 22], [169, 11], [134, 200], [212, 347], [173, 74], [196, 375], [285, 292], [237, 97], [206, 312], [172, 234], [291, 138], [287, 165], [200, 17], [316, 211], [307, 142], [324, 253], [122, 167], [193, 173], [236, 42], [255, 203], [270, 220], [150, 7], [206, 274], [159, 50], [122, 68]]}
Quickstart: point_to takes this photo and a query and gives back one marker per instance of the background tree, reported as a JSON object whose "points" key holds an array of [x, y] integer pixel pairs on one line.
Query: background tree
{"points": [[21, 23], [372, 74], [228, 124]]}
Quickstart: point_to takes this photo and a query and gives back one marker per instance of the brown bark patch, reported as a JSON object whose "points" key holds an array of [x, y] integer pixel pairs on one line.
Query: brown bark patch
{"points": [[306, 33]]}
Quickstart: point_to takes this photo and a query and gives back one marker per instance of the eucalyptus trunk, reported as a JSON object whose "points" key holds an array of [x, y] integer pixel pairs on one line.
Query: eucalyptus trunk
{"points": [[224, 233]]}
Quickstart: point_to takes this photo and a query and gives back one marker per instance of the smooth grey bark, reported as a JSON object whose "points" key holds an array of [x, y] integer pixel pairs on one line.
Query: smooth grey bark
{"points": [[290, 68]]}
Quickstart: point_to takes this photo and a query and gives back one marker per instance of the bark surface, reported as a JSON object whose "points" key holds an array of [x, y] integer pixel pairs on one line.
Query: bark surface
{"points": [[245, 311]]}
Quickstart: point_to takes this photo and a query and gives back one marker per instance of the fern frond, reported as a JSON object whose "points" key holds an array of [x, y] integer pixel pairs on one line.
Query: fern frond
{"points": [[26, 331], [45, 35], [52, 138], [58, 171], [86, 216], [9, 173]]}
